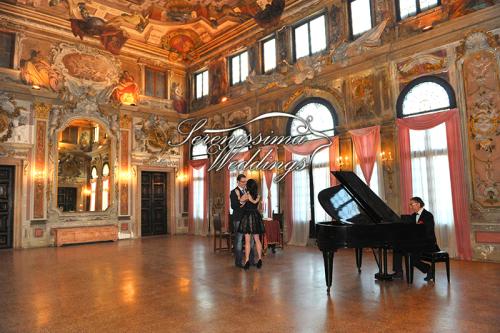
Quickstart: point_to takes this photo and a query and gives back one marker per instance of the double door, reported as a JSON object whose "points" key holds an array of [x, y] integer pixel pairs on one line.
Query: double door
{"points": [[153, 203], [6, 206]]}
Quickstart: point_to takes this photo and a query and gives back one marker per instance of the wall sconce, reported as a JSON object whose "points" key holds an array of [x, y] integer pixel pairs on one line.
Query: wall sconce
{"points": [[39, 174], [386, 158], [125, 175], [181, 176], [86, 191], [342, 161], [128, 99], [223, 99]]}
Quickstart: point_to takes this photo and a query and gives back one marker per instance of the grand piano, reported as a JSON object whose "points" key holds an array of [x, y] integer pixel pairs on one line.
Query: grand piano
{"points": [[361, 219]]}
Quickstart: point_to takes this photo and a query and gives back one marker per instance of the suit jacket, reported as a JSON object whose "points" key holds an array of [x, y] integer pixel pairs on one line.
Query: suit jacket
{"points": [[235, 205], [428, 220]]}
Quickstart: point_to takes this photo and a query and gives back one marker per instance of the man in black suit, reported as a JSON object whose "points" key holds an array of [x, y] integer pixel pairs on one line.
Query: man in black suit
{"points": [[237, 205], [419, 216]]}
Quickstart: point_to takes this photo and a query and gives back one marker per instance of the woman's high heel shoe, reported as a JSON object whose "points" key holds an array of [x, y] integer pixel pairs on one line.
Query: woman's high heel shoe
{"points": [[247, 265], [259, 263]]}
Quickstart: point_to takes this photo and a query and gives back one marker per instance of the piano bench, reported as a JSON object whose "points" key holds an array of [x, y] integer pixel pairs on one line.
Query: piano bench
{"points": [[433, 258]]}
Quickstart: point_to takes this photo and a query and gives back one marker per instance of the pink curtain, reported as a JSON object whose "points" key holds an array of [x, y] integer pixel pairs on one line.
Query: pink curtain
{"points": [[334, 155], [288, 199], [227, 202], [269, 173], [196, 165], [366, 143], [457, 173], [306, 149]]}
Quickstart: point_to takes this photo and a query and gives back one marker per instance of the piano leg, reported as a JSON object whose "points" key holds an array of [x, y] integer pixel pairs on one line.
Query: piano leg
{"points": [[328, 259], [359, 258], [382, 265]]}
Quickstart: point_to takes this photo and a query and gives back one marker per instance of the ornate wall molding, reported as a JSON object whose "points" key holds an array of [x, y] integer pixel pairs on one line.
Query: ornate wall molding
{"points": [[479, 65]]}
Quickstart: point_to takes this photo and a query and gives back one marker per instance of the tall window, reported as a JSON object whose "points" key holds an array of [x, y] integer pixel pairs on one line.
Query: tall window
{"points": [[155, 83], [429, 153], [407, 8], [309, 37], [7, 41], [269, 54], [239, 68], [309, 182], [93, 188], [201, 84], [269, 207], [360, 17], [105, 186], [199, 152]]}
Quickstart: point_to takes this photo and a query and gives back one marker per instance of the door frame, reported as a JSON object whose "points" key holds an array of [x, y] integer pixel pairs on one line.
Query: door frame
{"points": [[170, 198], [17, 230]]}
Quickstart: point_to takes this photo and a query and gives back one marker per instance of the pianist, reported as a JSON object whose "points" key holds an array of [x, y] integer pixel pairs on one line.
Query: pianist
{"points": [[419, 216]]}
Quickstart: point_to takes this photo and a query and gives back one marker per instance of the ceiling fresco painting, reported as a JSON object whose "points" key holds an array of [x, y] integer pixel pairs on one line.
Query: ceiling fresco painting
{"points": [[178, 26]]}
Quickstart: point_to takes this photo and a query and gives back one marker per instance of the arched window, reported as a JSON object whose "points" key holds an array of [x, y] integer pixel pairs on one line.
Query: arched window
{"points": [[105, 186], [309, 182], [322, 114], [240, 137], [93, 188], [429, 153], [425, 94], [199, 151]]}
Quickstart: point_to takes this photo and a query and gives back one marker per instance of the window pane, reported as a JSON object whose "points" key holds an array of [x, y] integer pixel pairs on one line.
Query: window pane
{"points": [[407, 8], [160, 85], [302, 41], [240, 140], [322, 120], [425, 96], [269, 55], [6, 49], [318, 34], [199, 85], [235, 70], [244, 66], [199, 151], [150, 82], [360, 16], [426, 4], [321, 180], [205, 83]]}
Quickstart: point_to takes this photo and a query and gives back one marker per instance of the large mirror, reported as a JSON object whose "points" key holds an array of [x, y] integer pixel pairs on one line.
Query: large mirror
{"points": [[84, 168]]}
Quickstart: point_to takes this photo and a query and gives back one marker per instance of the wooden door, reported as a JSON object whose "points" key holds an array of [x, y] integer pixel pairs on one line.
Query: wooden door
{"points": [[153, 203], [6, 206]]}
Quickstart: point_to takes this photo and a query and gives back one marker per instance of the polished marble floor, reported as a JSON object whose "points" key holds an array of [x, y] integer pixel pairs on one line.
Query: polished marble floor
{"points": [[177, 284]]}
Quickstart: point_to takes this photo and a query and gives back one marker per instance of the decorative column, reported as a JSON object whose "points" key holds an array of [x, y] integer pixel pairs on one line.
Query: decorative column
{"points": [[479, 65], [42, 111]]}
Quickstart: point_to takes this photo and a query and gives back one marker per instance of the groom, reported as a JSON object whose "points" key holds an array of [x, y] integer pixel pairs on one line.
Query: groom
{"points": [[238, 208]]}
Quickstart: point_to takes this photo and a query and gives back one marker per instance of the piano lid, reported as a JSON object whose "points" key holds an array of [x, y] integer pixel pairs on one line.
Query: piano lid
{"points": [[354, 202], [373, 205]]}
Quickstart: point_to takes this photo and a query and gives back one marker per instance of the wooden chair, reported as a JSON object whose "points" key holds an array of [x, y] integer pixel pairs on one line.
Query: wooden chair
{"points": [[221, 235], [279, 218]]}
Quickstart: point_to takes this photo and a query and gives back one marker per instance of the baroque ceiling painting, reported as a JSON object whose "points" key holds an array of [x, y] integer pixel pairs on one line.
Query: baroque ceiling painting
{"points": [[178, 25]]}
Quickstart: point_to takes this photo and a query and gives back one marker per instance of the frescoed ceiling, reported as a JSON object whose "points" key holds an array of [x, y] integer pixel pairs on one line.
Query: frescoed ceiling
{"points": [[179, 26]]}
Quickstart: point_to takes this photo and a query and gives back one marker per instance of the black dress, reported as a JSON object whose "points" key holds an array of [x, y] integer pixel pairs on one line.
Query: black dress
{"points": [[251, 220]]}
